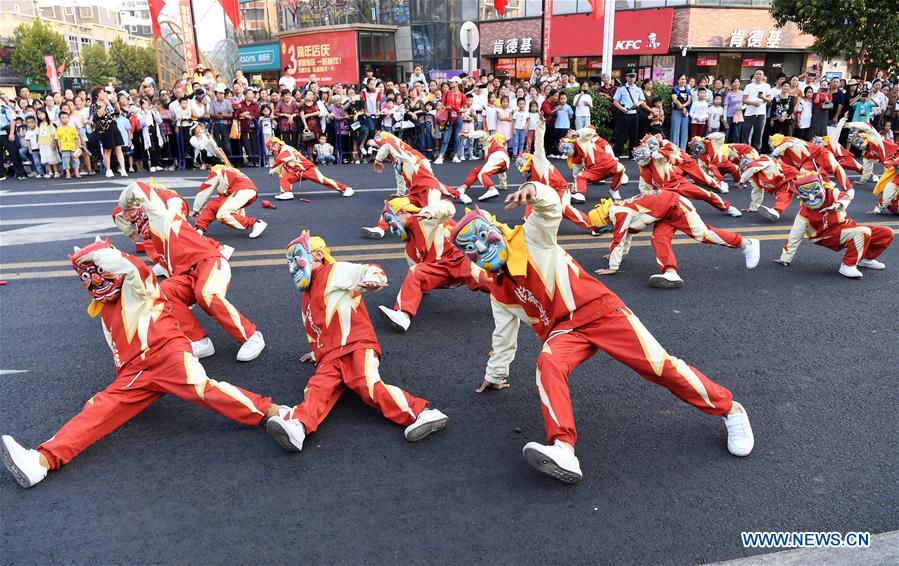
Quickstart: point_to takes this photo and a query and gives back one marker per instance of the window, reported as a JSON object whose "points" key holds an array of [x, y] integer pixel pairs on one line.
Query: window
{"points": [[514, 9], [17, 9], [86, 12], [70, 10]]}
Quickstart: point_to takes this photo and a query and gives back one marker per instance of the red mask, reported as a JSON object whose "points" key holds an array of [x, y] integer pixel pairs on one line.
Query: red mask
{"points": [[103, 287]]}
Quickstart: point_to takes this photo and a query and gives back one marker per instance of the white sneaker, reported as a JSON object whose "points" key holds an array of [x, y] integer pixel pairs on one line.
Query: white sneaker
{"points": [[109, 173], [200, 231], [850, 271], [284, 196], [348, 192], [871, 264], [258, 228], [154, 169], [733, 211], [578, 198], [375, 233], [739, 433], [723, 188], [289, 433], [159, 271], [427, 422], [668, 280], [464, 198], [615, 195], [769, 213], [456, 159], [202, 348], [23, 463], [491, 193], [123, 173], [226, 251], [556, 461], [251, 348], [438, 161], [752, 252], [398, 320]]}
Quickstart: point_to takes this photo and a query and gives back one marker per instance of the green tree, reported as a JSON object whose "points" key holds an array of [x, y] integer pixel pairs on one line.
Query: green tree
{"points": [[867, 31], [131, 63], [30, 42], [96, 67]]}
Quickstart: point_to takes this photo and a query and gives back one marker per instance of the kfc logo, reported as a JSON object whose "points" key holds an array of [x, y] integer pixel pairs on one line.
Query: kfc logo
{"points": [[652, 41], [628, 44]]}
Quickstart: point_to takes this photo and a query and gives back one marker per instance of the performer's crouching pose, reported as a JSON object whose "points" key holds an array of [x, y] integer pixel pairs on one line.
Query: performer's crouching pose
{"points": [[292, 167], [344, 348], [151, 356], [574, 315], [223, 196]]}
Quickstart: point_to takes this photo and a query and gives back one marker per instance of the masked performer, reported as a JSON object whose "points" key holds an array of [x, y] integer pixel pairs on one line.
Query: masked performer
{"points": [[538, 168], [875, 148], [423, 188], [712, 152], [293, 167], [667, 212], [496, 162], [806, 155], [344, 348], [657, 173], [233, 192], [596, 162], [686, 165], [832, 144], [151, 356], [574, 315], [822, 219], [199, 273], [434, 261], [766, 174]]}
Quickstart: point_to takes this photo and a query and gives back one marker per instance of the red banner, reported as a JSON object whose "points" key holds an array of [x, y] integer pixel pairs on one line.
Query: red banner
{"points": [[52, 74], [706, 61], [753, 62], [505, 65], [187, 35], [637, 32], [330, 56], [594, 64]]}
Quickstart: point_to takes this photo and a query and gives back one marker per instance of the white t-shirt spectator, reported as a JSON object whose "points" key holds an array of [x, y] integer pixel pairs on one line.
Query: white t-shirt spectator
{"points": [[287, 82], [699, 112], [716, 115], [490, 117], [752, 91], [805, 119], [533, 121], [583, 102], [521, 119], [882, 103]]}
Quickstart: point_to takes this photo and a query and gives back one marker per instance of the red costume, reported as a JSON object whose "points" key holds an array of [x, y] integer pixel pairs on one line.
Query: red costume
{"points": [[715, 157], [876, 148], [661, 175], [805, 155], [152, 358], [769, 175], [293, 167], [597, 159], [496, 162], [223, 196], [686, 164]]}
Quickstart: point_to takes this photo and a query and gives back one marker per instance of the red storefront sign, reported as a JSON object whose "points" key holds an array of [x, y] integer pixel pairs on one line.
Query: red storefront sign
{"points": [[331, 56], [594, 64], [505, 65], [637, 32], [706, 61], [187, 35], [753, 62]]}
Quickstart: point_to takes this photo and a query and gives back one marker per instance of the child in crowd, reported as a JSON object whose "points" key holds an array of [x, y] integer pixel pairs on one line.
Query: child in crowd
{"points": [[887, 132], [468, 116], [123, 122], [46, 141], [505, 124], [699, 114], [520, 118], [428, 130], [656, 116], [206, 152], [804, 119], [716, 115], [69, 142], [562, 122], [323, 151], [533, 120], [490, 114], [265, 125], [30, 145]]}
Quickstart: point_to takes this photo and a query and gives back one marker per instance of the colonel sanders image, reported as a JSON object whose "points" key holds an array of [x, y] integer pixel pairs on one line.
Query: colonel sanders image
{"points": [[651, 38]]}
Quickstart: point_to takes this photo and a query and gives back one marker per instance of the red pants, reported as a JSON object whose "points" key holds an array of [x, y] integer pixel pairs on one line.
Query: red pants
{"points": [[718, 170], [599, 171], [782, 200], [180, 374], [621, 335], [697, 130], [690, 223], [692, 192], [314, 175], [206, 285], [357, 370], [424, 277], [859, 241], [483, 174], [829, 166], [228, 210], [690, 168]]}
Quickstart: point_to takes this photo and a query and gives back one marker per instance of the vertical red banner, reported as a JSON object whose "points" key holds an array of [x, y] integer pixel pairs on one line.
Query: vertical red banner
{"points": [[187, 35], [52, 74], [547, 23]]}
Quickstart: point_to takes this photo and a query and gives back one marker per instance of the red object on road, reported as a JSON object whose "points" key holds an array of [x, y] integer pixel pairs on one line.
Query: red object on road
{"points": [[268, 204], [302, 199], [3, 283]]}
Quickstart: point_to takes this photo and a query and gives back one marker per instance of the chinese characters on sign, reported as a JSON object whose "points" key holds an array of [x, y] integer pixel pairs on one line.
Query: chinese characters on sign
{"points": [[754, 39], [187, 34], [514, 46], [331, 56]]}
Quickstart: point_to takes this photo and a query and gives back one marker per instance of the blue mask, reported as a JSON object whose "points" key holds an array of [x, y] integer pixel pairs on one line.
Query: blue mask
{"points": [[642, 155], [744, 164], [299, 260], [481, 242], [394, 224], [857, 141], [811, 194]]}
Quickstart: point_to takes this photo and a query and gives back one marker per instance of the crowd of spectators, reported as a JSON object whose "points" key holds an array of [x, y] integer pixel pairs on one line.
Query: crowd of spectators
{"points": [[202, 120]]}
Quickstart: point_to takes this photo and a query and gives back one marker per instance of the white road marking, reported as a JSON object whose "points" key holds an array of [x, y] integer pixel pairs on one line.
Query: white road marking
{"points": [[42, 230], [12, 371]]}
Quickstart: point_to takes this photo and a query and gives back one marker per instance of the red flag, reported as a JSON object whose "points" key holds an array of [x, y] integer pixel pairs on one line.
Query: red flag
{"points": [[598, 7], [156, 7], [232, 10], [500, 6], [62, 68]]}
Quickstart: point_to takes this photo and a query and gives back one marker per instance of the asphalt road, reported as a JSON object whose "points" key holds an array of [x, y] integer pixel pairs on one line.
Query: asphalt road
{"points": [[813, 357]]}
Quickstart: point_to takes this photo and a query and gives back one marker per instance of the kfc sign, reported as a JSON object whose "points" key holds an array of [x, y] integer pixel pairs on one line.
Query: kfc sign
{"points": [[629, 45], [639, 32]]}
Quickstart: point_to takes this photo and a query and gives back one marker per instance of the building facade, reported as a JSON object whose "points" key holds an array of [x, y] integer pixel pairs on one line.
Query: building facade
{"points": [[134, 16]]}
